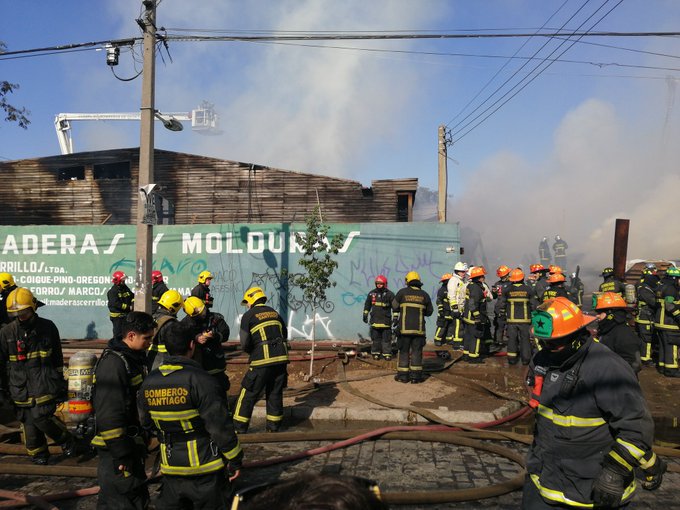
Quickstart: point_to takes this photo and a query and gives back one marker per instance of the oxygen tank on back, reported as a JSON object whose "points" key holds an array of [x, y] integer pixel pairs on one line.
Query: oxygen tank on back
{"points": [[80, 384], [629, 294]]}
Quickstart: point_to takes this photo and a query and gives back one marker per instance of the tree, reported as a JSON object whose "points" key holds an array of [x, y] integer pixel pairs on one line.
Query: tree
{"points": [[12, 114], [318, 263]]}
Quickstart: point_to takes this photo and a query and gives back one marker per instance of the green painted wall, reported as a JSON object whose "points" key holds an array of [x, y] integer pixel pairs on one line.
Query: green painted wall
{"points": [[69, 268]]}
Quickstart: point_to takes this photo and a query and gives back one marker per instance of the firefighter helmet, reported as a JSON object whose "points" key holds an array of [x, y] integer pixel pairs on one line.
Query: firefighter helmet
{"points": [[552, 268], [203, 276], [411, 276], [118, 277], [502, 271], [156, 277], [516, 275], [556, 278], [607, 271], [446, 277], [20, 299], [461, 266], [673, 272], [171, 300], [608, 300], [381, 279], [6, 281], [253, 295], [193, 306], [557, 318], [536, 268], [477, 271]]}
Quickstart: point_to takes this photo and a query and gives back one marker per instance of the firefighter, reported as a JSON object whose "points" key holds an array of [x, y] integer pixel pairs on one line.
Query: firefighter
{"points": [[610, 283], [158, 288], [120, 303], [544, 252], [475, 316], [556, 287], [378, 313], [121, 446], [667, 322], [200, 452], [409, 308], [576, 289], [613, 329], [7, 285], [499, 317], [592, 426], [455, 290], [202, 290], [517, 302], [560, 250], [444, 332], [538, 281], [644, 319], [31, 375], [169, 305], [209, 330], [263, 336]]}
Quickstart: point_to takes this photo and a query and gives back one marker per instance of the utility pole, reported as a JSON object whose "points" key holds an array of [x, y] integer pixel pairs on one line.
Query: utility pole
{"points": [[443, 176], [146, 163]]}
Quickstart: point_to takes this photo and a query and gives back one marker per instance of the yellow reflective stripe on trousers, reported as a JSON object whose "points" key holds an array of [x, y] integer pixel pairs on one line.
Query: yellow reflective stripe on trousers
{"points": [[271, 417], [569, 421], [111, 433], [192, 453], [559, 497], [236, 416], [269, 361]]}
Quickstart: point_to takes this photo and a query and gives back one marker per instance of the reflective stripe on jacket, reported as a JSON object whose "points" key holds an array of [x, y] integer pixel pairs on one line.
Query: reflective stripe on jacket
{"points": [[263, 336]]}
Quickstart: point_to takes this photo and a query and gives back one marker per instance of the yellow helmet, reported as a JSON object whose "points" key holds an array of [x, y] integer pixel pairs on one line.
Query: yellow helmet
{"points": [[193, 306], [20, 299], [171, 300], [411, 276], [252, 295], [6, 281], [205, 275]]}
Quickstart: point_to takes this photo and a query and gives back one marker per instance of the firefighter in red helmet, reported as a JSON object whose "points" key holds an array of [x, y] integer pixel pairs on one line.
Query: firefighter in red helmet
{"points": [[158, 288], [378, 314], [120, 301]]}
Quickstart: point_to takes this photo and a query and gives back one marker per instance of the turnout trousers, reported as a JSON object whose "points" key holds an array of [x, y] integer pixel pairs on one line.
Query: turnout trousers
{"points": [[518, 343], [668, 352], [472, 340], [205, 492], [36, 423], [646, 334], [410, 366], [118, 491], [381, 341], [268, 379]]}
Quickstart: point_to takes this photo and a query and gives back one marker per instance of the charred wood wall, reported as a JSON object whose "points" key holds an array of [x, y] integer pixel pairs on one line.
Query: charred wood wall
{"points": [[93, 187]]}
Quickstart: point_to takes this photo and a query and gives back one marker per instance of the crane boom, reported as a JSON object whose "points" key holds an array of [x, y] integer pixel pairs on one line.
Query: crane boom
{"points": [[203, 120]]}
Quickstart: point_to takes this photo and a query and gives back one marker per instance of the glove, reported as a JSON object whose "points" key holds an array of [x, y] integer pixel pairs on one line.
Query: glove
{"points": [[654, 475], [610, 485], [366, 318]]}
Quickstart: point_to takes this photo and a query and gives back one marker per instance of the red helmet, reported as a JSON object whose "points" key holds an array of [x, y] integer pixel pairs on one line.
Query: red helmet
{"points": [[118, 277], [156, 276], [381, 279], [502, 271], [535, 268]]}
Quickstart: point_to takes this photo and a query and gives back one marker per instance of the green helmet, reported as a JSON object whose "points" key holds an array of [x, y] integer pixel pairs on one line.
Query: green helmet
{"points": [[673, 272]]}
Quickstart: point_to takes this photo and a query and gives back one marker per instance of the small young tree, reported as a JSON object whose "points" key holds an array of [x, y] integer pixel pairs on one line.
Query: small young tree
{"points": [[318, 264]]}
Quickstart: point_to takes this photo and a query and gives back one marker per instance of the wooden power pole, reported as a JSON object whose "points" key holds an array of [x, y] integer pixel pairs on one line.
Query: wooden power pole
{"points": [[443, 176]]}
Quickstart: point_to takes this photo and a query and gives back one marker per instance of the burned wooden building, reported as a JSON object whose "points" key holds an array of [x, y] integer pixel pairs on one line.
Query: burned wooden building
{"points": [[100, 188]]}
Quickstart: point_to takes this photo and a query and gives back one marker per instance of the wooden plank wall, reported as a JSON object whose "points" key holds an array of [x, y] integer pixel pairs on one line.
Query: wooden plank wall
{"points": [[204, 190]]}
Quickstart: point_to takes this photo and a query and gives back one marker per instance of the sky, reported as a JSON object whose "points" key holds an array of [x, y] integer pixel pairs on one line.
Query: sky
{"points": [[581, 144]]}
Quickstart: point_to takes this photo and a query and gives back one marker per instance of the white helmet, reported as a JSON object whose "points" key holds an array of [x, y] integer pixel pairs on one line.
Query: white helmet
{"points": [[461, 266]]}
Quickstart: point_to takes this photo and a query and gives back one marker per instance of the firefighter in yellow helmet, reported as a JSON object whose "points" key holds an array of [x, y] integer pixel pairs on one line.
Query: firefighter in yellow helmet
{"points": [[592, 428], [209, 329], [409, 308], [202, 289], [7, 285], [31, 375], [168, 306], [263, 335]]}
